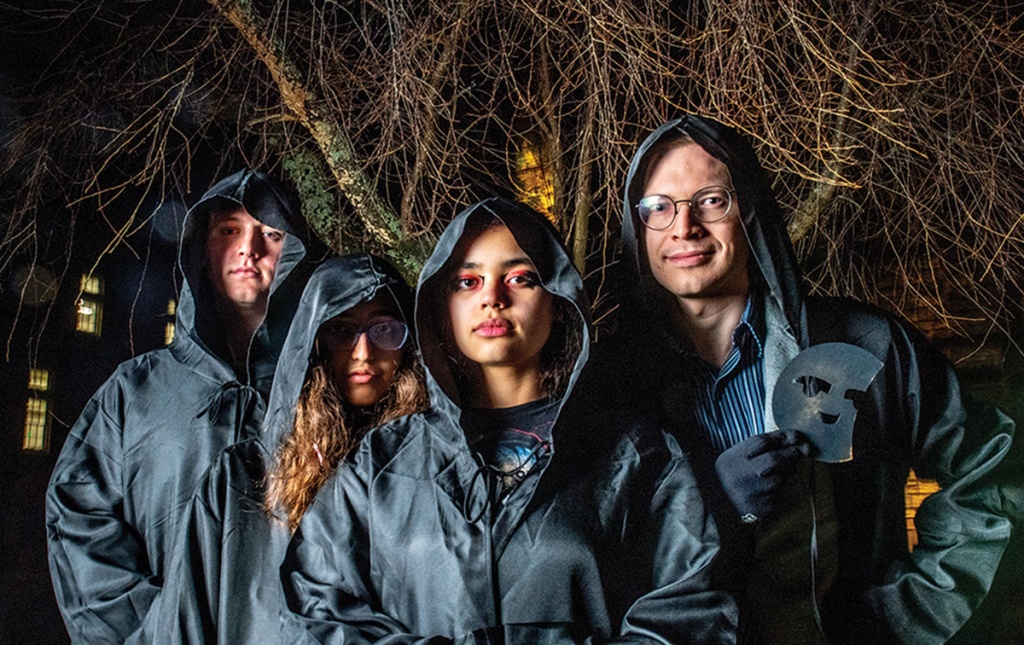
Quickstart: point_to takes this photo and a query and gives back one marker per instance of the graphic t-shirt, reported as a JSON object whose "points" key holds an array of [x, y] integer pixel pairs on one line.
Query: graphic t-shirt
{"points": [[511, 440]]}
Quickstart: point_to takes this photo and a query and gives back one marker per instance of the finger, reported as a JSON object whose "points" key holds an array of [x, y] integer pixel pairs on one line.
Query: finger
{"points": [[780, 463], [772, 441]]}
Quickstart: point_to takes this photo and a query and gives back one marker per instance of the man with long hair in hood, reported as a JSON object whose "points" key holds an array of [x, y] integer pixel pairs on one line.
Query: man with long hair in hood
{"points": [[133, 458], [507, 512], [802, 415]]}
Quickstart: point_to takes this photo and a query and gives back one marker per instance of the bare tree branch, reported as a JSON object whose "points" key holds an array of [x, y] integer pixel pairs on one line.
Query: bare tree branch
{"points": [[893, 128], [300, 99]]}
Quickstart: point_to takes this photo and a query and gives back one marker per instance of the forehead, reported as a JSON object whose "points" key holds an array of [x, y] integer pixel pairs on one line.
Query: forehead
{"points": [[382, 305], [494, 246], [237, 215], [685, 166]]}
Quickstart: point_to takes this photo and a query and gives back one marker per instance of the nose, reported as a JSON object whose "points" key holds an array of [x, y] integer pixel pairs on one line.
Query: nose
{"points": [[250, 243], [494, 294], [685, 225], [361, 351]]}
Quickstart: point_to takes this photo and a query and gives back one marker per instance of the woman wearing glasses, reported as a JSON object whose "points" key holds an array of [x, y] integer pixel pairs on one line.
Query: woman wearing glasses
{"points": [[511, 511], [347, 365]]}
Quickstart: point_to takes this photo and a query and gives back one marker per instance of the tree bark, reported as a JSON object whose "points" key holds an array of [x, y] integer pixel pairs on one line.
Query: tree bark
{"points": [[302, 101]]}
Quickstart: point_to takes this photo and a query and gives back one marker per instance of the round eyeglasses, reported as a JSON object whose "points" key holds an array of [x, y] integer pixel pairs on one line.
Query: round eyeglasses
{"points": [[388, 335], [658, 212]]}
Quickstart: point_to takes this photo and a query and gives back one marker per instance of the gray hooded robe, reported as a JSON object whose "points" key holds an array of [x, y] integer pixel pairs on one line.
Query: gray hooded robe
{"points": [[133, 458], [224, 584]]}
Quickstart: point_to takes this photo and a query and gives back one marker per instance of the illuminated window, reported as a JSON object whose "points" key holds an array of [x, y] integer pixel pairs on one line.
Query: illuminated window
{"points": [[916, 491], [90, 305], [534, 183], [37, 437], [172, 307], [92, 284], [38, 380]]}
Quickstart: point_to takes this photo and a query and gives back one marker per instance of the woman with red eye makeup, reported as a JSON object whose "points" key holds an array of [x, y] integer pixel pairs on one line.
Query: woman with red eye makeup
{"points": [[509, 511]]}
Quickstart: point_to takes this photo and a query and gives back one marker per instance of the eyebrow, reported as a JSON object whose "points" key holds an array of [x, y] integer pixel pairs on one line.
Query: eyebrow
{"points": [[346, 316], [507, 264]]}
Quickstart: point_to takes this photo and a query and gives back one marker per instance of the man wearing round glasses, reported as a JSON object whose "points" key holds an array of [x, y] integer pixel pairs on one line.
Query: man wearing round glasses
{"points": [[695, 244], [713, 311]]}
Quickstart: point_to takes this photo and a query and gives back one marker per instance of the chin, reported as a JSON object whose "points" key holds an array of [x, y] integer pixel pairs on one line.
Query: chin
{"points": [[362, 398]]}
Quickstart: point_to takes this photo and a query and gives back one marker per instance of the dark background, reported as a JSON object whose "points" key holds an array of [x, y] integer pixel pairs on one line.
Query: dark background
{"points": [[139, 280]]}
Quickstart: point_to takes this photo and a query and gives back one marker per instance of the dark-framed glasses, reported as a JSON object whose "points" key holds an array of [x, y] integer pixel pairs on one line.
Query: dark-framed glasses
{"points": [[658, 212], [387, 335]]}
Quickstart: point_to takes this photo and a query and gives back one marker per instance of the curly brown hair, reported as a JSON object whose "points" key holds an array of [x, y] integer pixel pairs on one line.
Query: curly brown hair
{"points": [[324, 433]]}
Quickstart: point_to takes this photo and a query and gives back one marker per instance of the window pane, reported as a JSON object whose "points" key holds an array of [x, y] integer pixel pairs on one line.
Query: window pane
{"points": [[35, 426], [90, 315], [92, 284], [916, 490], [38, 380]]}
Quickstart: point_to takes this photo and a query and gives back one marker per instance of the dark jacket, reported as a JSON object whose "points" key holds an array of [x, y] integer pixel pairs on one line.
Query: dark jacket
{"points": [[870, 588], [149, 433], [605, 540], [224, 585]]}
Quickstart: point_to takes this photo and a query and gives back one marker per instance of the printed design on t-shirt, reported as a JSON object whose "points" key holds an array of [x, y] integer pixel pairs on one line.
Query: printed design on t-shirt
{"points": [[515, 455], [510, 442]]}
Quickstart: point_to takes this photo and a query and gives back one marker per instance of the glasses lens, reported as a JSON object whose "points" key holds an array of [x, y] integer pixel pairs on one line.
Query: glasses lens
{"points": [[338, 336], [711, 204], [389, 335], [656, 212]]}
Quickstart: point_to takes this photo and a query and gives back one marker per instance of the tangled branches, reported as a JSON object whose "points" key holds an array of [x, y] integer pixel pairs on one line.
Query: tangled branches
{"points": [[894, 129]]}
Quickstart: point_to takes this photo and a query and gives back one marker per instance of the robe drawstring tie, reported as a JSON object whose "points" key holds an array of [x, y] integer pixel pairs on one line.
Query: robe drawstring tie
{"points": [[232, 397]]}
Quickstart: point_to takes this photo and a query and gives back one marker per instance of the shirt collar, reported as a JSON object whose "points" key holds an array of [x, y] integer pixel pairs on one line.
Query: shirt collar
{"points": [[749, 334]]}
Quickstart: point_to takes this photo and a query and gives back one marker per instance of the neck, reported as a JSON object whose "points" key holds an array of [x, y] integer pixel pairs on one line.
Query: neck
{"points": [[506, 387], [240, 325], [709, 323]]}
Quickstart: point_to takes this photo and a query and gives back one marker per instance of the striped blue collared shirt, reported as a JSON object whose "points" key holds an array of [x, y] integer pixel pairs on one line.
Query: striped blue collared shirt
{"points": [[730, 400]]}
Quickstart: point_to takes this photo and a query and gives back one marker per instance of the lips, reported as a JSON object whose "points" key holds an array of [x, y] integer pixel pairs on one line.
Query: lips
{"points": [[246, 272], [493, 327], [689, 258], [361, 376]]}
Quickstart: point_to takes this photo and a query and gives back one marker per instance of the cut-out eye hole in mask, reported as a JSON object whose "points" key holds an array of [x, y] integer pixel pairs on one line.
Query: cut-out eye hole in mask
{"points": [[815, 395]]}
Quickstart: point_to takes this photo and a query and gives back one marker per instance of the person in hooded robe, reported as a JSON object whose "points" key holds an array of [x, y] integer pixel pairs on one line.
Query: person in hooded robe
{"points": [[803, 415], [132, 460], [348, 364]]}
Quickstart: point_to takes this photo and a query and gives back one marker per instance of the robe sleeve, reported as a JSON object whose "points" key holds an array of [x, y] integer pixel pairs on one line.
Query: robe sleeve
{"points": [[964, 528], [98, 562], [326, 572]]}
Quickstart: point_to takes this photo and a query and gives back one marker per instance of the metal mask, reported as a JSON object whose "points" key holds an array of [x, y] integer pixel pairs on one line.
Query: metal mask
{"points": [[814, 395]]}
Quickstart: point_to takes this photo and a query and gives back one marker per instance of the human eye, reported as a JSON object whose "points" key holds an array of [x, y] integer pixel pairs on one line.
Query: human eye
{"points": [[712, 198], [389, 334], [336, 328], [654, 204], [466, 282], [337, 335], [523, 278], [273, 235]]}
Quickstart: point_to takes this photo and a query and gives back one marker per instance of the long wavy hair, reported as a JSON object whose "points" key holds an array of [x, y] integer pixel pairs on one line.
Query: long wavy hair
{"points": [[325, 432]]}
